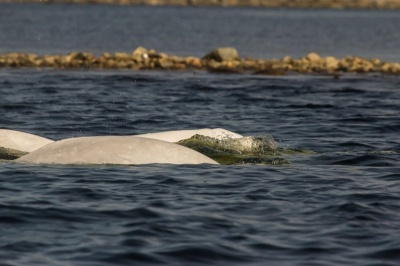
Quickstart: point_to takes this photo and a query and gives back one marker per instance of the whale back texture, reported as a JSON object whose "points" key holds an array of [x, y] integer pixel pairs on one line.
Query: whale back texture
{"points": [[178, 135], [115, 150], [21, 141]]}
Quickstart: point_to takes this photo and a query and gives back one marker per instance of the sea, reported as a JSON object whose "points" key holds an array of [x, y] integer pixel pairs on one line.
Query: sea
{"points": [[336, 204]]}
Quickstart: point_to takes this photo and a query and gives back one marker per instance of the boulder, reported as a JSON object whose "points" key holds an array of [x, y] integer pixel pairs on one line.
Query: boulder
{"points": [[140, 51], [164, 64], [331, 63], [193, 62], [313, 57], [223, 54]]}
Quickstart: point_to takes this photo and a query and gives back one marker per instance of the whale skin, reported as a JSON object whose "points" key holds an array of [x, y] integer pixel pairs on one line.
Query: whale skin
{"points": [[21, 141], [178, 135], [132, 150]]}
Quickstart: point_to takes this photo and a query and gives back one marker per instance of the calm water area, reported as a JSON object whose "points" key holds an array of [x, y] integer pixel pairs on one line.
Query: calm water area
{"points": [[259, 33], [337, 205]]}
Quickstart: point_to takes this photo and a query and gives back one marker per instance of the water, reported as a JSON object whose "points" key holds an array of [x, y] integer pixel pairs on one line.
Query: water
{"points": [[338, 205], [260, 33]]}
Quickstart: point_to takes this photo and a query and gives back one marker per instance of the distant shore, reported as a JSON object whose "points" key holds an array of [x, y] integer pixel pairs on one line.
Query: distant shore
{"points": [[336, 4], [221, 60]]}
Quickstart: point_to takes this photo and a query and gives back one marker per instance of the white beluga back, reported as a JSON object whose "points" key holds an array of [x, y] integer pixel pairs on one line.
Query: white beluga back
{"points": [[178, 135], [21, 141], [131, 150]]}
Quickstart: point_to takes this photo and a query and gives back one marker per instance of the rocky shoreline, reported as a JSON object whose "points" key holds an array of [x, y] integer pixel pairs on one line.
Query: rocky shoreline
{"points": [[338, 4], [221, 60]]}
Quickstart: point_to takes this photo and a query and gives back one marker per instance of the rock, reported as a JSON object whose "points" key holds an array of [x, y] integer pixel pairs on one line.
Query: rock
{"points": [[313, 57], [343, 65], [164, 64], [31, 57], [249, 64], [281, 66], [385, 67], [49, 60], [82, 56], [223, 54], [396, 68], [376, 62], [230, 64], [222, 60], [193, 62], [140, 51], [366, 67], [179, 66], [121, 64], [213, 65], [162, 56], [106, 55], [331, 63], [153, 53], [393, 68], [270, 72], [287, 60], [119, 56], [65, 60]]}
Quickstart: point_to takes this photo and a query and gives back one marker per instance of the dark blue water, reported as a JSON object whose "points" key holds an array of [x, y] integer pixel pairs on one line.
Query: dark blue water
{"points": [[336, 206]]}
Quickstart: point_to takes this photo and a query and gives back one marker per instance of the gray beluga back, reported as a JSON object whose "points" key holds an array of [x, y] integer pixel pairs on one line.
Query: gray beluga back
{"points": [[115, 150]]}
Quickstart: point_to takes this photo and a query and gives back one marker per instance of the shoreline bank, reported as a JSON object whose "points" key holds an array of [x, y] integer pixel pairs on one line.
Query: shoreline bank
{"points": [[221, 60], [329, 4]]}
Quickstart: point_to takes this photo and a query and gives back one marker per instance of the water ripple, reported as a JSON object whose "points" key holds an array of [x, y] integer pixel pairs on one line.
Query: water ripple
{"points": [[334, 203]]}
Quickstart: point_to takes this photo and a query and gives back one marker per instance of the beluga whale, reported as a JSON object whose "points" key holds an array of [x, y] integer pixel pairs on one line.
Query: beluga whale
{"points": [[132, 150], [18, 140], [193, 146], [178, 135], [14, 144]]}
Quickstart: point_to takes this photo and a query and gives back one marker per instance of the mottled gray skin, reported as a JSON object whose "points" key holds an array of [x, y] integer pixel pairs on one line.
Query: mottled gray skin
{"points": [[245, 150], [245, 145]]}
